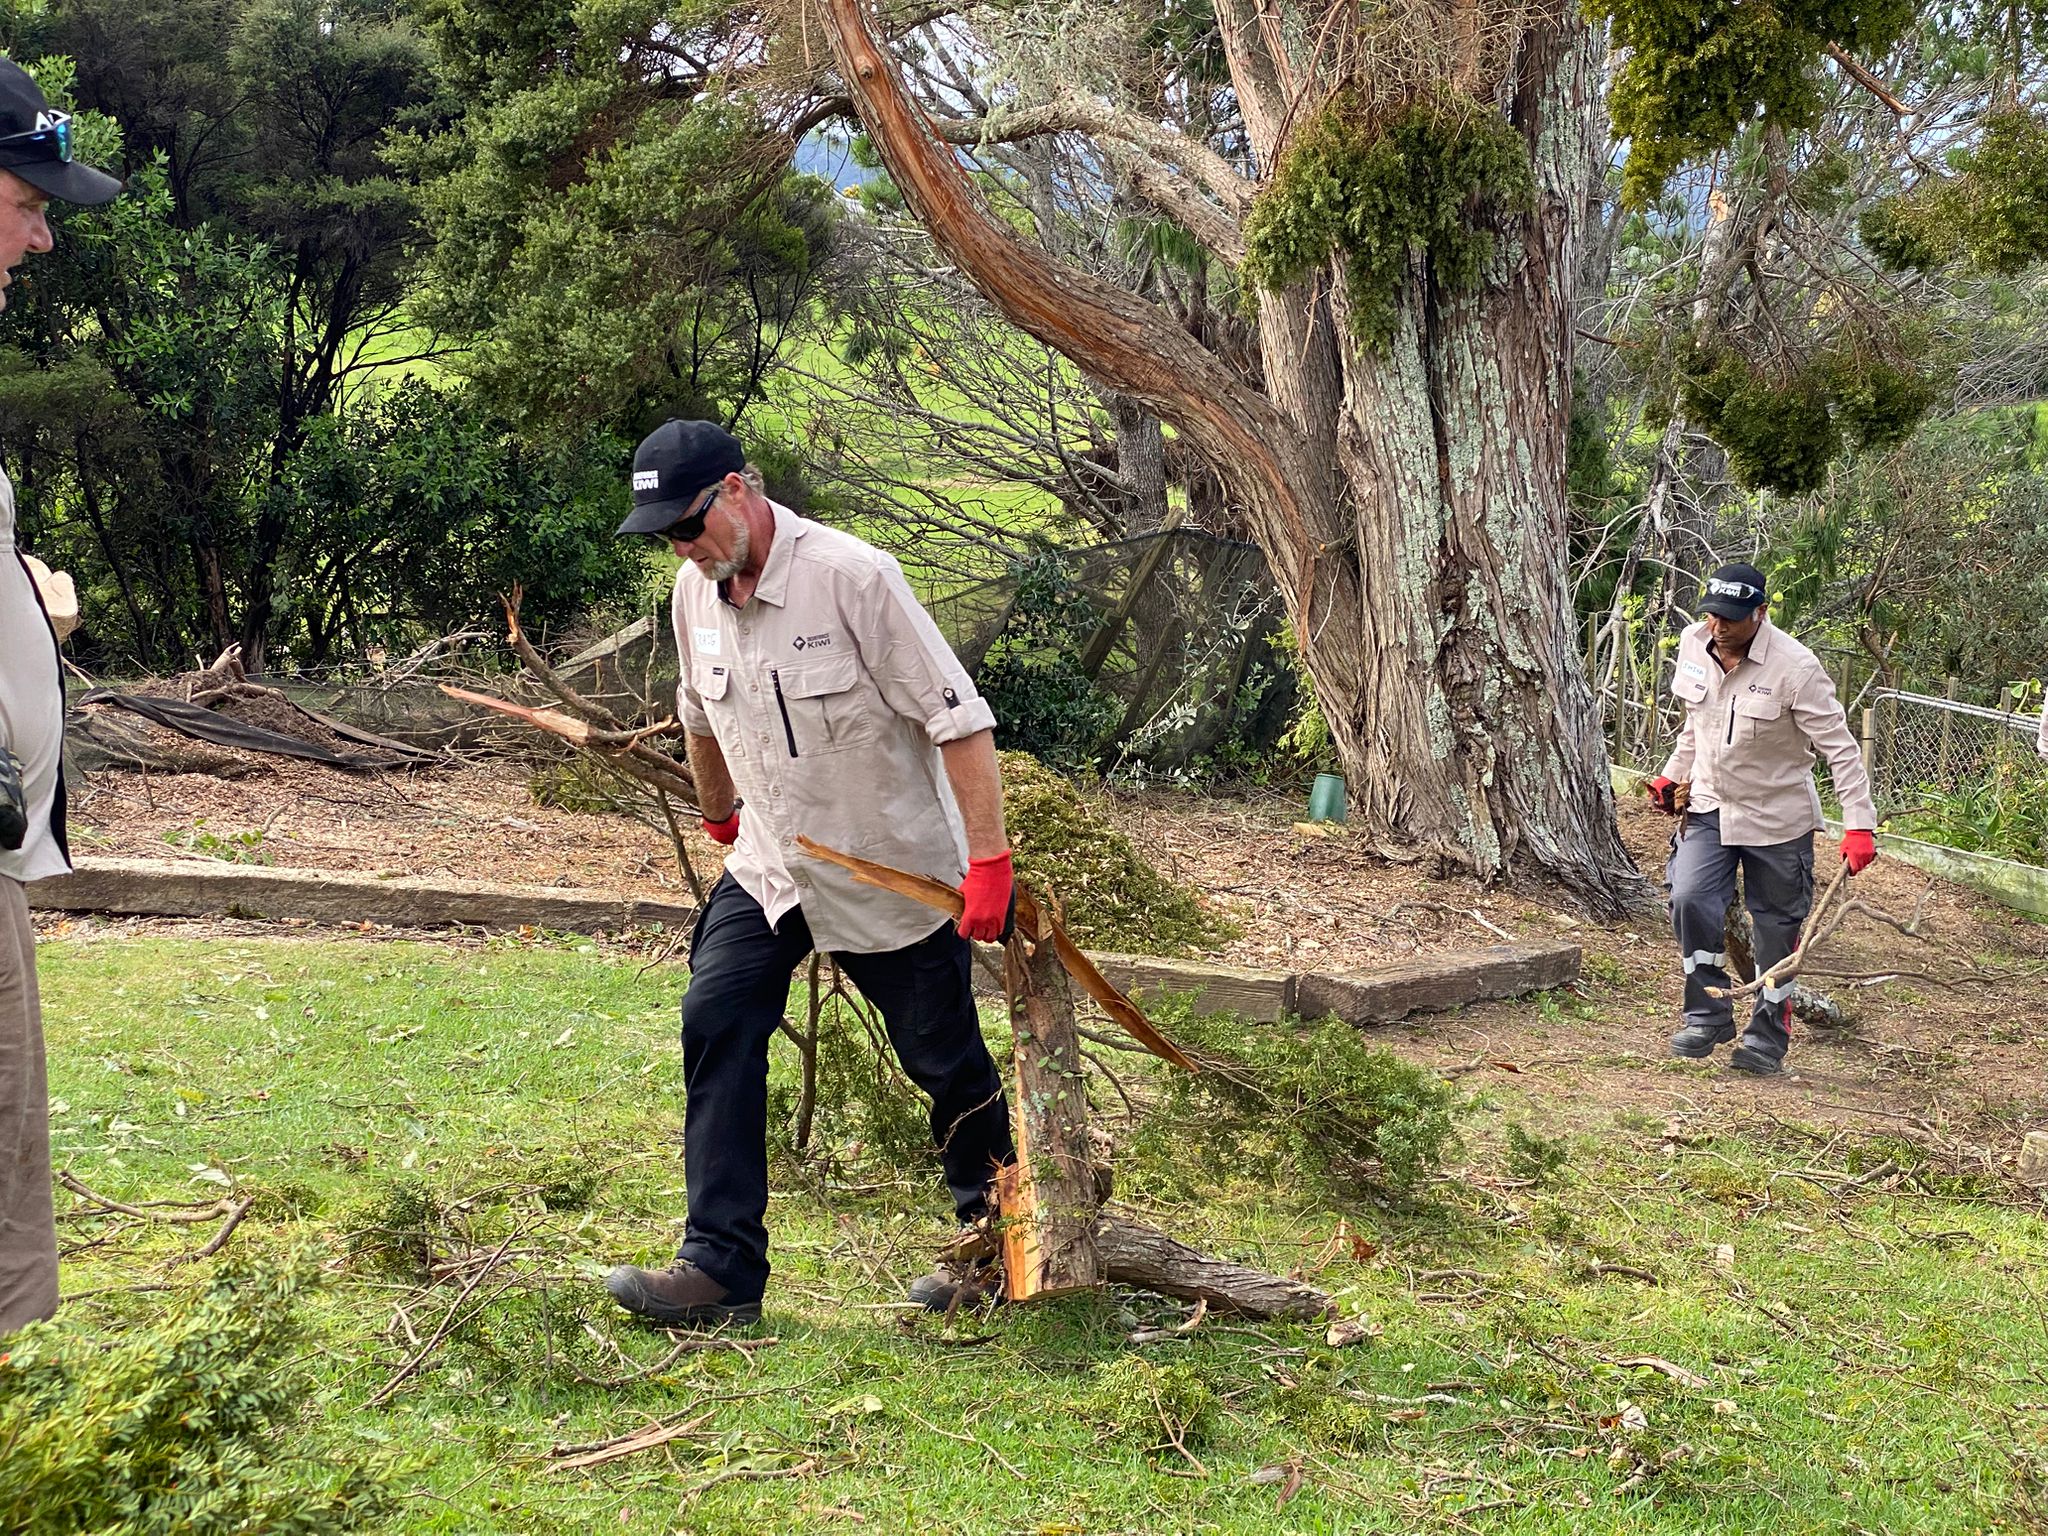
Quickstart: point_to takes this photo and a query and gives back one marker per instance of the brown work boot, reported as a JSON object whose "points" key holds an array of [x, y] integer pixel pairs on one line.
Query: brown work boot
{"points": [[681, 1296]]}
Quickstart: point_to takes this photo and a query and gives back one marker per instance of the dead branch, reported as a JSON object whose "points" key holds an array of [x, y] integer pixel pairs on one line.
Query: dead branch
{"points": [[646, 1438], [448, 1322], [220, 1238], [185, 1213]]}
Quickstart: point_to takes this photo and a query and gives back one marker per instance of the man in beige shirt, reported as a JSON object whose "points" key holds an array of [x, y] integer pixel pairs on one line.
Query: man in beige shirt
{"points": [[1758, 707], [35, 606], [819, 700]]}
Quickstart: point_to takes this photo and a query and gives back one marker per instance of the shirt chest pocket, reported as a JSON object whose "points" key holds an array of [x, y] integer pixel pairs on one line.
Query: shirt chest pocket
{"points": [[713, 682], [1753, 718], [823, 706]]}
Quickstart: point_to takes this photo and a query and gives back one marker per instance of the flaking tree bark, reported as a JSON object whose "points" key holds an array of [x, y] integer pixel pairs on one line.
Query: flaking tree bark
{"points": [[1411, 500]]}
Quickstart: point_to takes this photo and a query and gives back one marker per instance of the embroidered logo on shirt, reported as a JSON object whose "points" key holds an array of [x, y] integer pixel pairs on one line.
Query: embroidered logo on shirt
{"points": [[705, 641], [1760, 688], [810, 642]]}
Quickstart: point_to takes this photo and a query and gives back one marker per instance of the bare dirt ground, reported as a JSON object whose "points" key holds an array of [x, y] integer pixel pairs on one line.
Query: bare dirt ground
{"points": [[1958, 1065]]}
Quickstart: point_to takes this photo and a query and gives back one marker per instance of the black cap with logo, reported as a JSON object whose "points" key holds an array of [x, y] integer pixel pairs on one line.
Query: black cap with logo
{"points": [[1734, 592], [35, 143], [675, 463]]}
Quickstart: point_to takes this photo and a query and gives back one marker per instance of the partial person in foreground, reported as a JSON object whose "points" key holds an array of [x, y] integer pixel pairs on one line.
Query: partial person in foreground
{"points": [[36, 607], [819, 699], [1759, 707]]}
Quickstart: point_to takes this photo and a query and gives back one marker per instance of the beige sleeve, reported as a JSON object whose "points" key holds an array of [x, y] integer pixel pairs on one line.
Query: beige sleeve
{"points": [[909, 659], [689, 706], [2041, 742], [1820, 716]]}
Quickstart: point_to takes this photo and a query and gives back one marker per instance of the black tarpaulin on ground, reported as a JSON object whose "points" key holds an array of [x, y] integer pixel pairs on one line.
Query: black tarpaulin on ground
{"points": [[225, 731]]}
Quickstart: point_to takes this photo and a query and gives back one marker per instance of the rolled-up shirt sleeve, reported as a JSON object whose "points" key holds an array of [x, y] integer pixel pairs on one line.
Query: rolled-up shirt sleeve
{"points": [[689, 707], [910, 660]]}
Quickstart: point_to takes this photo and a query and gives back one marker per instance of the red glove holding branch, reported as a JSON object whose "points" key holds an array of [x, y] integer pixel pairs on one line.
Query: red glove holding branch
{"points": [[1662, 795], [1859, 851], [726, 831], [987, 889]]}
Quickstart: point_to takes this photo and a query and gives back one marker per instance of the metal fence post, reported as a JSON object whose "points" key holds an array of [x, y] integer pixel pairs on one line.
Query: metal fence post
{"points": [[1947, 732]]}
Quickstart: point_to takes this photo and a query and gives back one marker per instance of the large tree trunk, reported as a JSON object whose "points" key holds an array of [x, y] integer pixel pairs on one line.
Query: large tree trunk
{"points": [[1411, 503]]}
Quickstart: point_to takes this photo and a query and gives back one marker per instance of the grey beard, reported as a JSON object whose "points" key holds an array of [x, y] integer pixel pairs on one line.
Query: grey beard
{"points": [[730, 567]]}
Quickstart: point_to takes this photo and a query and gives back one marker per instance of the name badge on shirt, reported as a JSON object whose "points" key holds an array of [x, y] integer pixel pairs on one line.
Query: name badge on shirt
{"points": [[705, 642], [1686, 668]]}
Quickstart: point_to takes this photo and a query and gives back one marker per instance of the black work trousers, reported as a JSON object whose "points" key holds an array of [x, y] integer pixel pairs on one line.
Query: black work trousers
{"points": [[1777, 887], [739, 985]]}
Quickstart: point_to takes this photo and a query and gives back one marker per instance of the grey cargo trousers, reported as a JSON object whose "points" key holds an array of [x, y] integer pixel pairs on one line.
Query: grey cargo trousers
{"points": [[1777, 885]]}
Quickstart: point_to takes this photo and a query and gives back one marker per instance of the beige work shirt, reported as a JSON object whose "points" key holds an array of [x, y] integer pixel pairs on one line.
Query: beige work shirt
{"points": [[829, 693], [31, 704], [1751, 735]]}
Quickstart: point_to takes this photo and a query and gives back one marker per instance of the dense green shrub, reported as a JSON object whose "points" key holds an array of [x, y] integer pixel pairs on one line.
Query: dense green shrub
{"points": [[188, 1426], [1310, 1107], [1112, 897]]}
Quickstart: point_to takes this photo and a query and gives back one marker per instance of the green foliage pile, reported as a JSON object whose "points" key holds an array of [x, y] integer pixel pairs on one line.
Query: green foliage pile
{"points": [[1373, 189], [1312, 1107], [1992, 214], [1695, 72], [1782, 431], [1112, 897], [190, 1426], [1152, 1407]]}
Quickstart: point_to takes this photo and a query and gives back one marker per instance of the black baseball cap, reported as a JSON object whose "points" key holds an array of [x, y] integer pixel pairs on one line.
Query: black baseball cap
{"points": [[1734, 592], [35, 143], [675, 463]]}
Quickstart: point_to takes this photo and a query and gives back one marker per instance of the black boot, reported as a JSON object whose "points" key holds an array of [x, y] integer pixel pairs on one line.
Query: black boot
{"points": [[1694, 1041]]}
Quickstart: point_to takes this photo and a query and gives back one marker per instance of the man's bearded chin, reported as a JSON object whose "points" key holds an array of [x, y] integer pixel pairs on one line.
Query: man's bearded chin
{"points": [[732, 565]]}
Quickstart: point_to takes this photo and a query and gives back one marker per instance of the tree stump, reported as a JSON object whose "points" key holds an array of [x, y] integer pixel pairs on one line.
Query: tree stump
{"points": [[1048, 1195]]}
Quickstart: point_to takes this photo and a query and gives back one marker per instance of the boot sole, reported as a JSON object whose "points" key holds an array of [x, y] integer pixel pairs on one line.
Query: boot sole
{"points": [[1687, 1053], [635, 1299]]}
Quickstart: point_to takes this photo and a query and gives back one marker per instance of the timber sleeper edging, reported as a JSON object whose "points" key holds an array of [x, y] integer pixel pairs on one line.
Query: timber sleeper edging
{"points": [[193, 888]]}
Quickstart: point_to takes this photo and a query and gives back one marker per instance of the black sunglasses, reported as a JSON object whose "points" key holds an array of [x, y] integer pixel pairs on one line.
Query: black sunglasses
{"points": [[1741, 591], [691, 523], [54, 142]]}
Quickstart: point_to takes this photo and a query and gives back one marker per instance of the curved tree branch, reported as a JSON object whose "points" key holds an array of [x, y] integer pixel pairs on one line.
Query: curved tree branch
{"points": [[1112, 334], [1075, 114]]}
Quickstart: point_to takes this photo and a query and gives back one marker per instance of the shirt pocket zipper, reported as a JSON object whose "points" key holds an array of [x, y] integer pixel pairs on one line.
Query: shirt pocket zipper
{"points": [[788, 730]]}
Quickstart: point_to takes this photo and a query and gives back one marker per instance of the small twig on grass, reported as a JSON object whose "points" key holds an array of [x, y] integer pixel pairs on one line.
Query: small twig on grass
{"points": [[968, 1440], [186, 1213], [1625, 1271], [803, 1468], [646, 1438], [220, 1238], [448, 1322], [688, 1345]]}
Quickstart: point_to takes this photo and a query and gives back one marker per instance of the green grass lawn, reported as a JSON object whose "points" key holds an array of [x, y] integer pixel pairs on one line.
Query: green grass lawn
{"points": [[1843, 1358]]}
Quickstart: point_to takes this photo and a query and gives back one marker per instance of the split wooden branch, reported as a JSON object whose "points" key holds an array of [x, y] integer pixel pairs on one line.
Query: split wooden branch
{"points": [[943, 898]]}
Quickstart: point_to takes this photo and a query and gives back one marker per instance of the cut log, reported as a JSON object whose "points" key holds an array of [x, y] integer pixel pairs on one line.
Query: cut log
{"points": [[1141, 1256], [1047, 1198]]}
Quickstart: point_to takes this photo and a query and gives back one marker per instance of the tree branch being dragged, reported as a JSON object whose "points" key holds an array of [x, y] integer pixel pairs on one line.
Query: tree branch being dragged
{"points": [[1052, 1233], [591, 727]]}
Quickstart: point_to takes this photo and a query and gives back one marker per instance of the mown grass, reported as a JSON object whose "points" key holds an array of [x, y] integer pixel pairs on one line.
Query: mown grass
{"points": [[1872, 1359]]}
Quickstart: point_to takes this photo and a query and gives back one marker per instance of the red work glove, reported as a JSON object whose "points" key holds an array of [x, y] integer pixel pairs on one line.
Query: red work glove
{"points": [[1859, 851], [987, 889], [1661, 791], [726, 831]]}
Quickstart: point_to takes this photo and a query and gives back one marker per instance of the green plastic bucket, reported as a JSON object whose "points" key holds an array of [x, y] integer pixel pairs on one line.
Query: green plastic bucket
{"points": [[1326, 798]]}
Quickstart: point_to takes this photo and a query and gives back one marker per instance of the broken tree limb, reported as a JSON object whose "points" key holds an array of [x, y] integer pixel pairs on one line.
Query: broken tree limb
{"points": [[1047, 1197], [1133, 1254], [942, 897]]}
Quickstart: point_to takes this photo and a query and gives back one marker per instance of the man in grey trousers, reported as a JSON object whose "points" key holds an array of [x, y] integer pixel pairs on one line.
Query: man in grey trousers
{"points": [[1758, 707], [35, 166]]}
